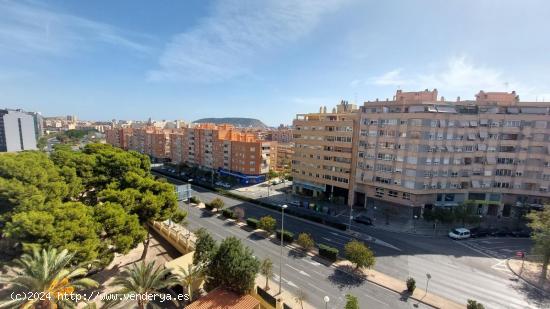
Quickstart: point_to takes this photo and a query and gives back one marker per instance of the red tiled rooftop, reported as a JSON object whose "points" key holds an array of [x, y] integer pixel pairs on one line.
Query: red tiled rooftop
{"points": [[223, 299]]}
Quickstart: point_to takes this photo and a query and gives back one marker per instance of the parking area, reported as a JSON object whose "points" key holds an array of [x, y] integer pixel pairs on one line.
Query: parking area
{"points": [[499, 247]]}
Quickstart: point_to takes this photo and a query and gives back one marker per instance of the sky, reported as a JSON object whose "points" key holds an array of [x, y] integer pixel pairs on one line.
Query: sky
{"points": [[265, 59]]}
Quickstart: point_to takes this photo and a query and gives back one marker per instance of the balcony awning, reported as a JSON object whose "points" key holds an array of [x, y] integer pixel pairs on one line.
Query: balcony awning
{"points": [[483, 121], [473, 123], [471, 136], [483, 134], [491, 160]]}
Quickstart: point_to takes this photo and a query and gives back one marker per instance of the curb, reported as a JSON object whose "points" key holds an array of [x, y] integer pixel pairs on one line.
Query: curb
{"points": [[544, 292]]}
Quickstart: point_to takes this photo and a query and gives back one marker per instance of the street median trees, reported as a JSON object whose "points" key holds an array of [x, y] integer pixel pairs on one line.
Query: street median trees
{"points": [[267, 223], [540, 224], [359, 254], [217, 204], [305, 241]]}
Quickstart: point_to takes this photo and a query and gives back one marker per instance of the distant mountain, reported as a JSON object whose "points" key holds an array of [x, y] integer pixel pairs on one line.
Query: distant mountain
{"points": [[236, 121]]}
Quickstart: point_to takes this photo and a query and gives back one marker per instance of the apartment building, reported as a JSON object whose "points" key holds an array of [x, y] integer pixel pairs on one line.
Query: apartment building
{"points": [[419, 151], [17, 131], [282, 135], [323, 152], [151, 141], [285, 152], [118, 137]]}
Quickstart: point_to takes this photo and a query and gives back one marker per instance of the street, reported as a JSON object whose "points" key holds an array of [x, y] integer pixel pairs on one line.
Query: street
{"points": [[458, 271]]}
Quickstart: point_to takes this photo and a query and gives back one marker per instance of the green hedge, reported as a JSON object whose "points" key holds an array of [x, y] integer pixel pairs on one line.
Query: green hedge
{"points": [[287, 236], [328, 252], [228, 213], [252, 222], [195, 200]]}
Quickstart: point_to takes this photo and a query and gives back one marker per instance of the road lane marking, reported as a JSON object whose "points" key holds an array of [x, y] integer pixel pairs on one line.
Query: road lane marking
{"points": [[334, 241], [318, 288], [301, 272]]}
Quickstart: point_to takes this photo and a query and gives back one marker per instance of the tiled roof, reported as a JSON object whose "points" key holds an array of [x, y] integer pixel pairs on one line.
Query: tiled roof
{"points": [[223, 299]]}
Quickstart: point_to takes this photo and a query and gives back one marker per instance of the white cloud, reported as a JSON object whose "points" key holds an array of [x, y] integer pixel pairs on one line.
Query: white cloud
{"points": [[391, 78], [228, 42], [459, 76], [31, 28]]}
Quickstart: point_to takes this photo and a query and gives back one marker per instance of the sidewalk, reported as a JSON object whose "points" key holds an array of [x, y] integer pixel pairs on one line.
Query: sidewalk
{"points": [[287, 297], [400, 287]]}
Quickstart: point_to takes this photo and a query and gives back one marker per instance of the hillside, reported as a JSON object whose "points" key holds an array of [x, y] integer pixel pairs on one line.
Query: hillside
{"points": [[236, 121]]}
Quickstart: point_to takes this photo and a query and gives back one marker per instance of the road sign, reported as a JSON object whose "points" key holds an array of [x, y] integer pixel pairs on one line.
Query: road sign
{"points": [[520, 254]]}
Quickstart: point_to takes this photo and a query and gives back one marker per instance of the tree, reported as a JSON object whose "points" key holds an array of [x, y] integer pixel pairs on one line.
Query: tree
{"points": [[217, 203], [540, 224], [205, 247], [47, 271], [268, 224], [472, 304], [239, 213], [233, 267], [351, 302], [191, 277], [266, 269], [305, 241], [359, 254], [300, 297], [140, 280]]}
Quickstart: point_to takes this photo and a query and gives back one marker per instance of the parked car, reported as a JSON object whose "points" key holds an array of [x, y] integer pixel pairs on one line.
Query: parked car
{"points": [[295, 203], [479, 232], [459, 233], [363, 219]]}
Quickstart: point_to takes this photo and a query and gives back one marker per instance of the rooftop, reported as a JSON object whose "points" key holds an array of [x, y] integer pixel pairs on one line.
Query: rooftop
{"points": [[223, 299]]}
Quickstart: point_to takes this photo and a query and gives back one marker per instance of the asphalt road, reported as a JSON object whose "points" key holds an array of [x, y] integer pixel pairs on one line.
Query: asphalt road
{"points": [[458, 271]]}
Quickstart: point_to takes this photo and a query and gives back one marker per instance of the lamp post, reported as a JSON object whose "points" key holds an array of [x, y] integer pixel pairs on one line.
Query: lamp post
{"points": [[326, 299], [189, 195], [281, 256], [428, 277], [414, 222]]}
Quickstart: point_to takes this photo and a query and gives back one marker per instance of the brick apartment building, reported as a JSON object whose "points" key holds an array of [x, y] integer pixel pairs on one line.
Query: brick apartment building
{"points": [[323, 150], [230, 151], [419, 151]]}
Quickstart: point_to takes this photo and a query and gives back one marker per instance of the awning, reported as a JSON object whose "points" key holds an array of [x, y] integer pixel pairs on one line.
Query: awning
{"points": [[512, 110], [464, 123], [471, 136], [442, 123], [483, 121], [473, 123], [432, 109], [483, 134], [446, 109], [450, 148], [475, 184], [491, 160], [481, 147]]}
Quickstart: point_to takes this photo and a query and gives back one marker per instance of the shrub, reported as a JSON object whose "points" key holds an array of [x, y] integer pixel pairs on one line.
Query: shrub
{"points": [[252, 222], [287, 236], [359, 254], [305, 241], [228, 213], [267, 223], [194, 200], [411, 284], [238, 213], [208, 206], [472, 304], [217, 203], [328, 252]]}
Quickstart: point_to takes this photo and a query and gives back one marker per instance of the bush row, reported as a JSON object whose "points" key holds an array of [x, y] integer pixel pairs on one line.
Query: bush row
{"points": [[228, 213], [328, 252], [287, 236], [252, 222]]}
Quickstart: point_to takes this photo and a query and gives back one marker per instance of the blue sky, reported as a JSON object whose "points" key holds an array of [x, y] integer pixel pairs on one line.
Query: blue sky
{"points": [[133, 59]]}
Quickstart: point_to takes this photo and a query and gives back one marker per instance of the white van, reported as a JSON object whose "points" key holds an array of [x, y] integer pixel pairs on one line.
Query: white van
{"points": [[459, 233]]}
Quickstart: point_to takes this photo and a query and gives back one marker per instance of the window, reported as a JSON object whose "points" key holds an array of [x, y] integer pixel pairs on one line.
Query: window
{"points": [[392, 193], [406, 196], [379, 192]]}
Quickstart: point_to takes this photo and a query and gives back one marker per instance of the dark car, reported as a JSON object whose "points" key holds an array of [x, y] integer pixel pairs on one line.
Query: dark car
{"points": [[479, 232], [363, 219], [503, 233]]}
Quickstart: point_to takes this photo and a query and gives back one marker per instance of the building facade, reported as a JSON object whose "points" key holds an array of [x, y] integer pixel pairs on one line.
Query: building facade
{"points": [[420, 152], [323, 152], [17, 131]]}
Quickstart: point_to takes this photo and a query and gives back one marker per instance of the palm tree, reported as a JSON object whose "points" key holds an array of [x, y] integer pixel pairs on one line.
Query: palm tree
{"points": [[49, 272], [189, 277], [141, 280], [266, 269]]}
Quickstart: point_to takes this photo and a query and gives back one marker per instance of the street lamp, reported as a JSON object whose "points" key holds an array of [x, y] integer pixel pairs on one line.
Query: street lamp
{"points": [[189, 195], [414, 223], [326, 299], [281, 256], [428, 277]]}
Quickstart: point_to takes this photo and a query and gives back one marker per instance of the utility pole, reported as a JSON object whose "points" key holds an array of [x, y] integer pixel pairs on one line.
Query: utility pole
{"points": [[281, 256]]}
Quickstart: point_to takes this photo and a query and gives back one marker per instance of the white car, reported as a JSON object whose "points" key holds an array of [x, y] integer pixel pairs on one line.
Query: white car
{"points": [[459, 233]]}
